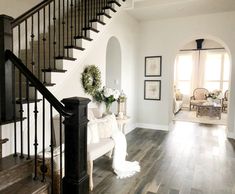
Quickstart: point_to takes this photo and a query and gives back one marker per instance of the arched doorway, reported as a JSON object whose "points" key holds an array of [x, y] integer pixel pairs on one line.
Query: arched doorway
{"points": [[113, 66], [202, 63]]}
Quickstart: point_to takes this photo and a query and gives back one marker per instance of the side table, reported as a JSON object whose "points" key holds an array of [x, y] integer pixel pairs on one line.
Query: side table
{"points": [[122, 122]]}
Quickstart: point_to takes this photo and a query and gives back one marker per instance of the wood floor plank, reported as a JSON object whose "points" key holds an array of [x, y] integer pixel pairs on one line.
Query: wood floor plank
{"points": [[190, 159]]}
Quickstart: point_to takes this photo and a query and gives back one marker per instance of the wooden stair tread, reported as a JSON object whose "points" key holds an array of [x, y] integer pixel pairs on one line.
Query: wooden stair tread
{"points": [[54, 70], [105, 14], [83, 37], [99, 21], [26, 186], [65, 58], [74, 47], [93, 29], [14, 169], [45, 84], [113, 1], [11, 121], [10, 162], [25, 101], [109, 7]]}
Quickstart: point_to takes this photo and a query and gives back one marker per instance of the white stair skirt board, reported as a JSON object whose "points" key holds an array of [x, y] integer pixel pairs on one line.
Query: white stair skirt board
{"points": [[190, 116], [153, 126]]}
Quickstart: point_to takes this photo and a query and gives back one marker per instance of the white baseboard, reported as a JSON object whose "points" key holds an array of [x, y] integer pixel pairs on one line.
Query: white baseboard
{"points": [[154, 126], [130, 128], [230, 135]]}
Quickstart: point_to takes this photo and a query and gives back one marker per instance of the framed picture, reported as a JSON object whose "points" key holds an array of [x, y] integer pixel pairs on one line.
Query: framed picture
{"points": [[152, 90], [153, 66]]}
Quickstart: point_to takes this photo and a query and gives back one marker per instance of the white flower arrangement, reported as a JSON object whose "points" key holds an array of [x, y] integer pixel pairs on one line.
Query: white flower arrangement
{"points": [[107, 95]]}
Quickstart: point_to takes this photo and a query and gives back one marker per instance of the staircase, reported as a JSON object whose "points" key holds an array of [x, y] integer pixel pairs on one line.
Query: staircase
{"points": [[43, 45]]}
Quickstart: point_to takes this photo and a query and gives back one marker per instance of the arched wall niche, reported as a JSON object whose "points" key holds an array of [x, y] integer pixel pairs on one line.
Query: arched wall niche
{"points": [[113, 64]]}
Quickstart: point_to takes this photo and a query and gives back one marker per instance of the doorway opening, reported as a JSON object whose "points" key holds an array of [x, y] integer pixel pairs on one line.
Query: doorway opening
{"points": [[201, 83]]}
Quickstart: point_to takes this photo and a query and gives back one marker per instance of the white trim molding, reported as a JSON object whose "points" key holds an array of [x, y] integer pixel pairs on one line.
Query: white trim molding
{"points": [[230, 135], [130, 127], [154, 126]]}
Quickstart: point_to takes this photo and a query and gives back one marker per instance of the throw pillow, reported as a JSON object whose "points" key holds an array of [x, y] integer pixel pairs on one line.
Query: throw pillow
{"points": [[104, 128], [178, 95], [93, 130], [90, 115]]}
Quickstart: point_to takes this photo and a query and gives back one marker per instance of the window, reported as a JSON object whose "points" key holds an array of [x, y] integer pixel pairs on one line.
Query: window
{"points": [[183, 73], [208, 69], [217, 67]]}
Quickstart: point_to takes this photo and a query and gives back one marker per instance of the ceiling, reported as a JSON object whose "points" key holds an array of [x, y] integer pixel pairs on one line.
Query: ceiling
{"points": [[161, 9]]}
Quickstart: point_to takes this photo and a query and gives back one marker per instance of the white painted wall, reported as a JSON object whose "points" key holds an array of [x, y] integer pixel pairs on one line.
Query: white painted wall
{"points": [[125, 29], [15, 8], [166, 37]]}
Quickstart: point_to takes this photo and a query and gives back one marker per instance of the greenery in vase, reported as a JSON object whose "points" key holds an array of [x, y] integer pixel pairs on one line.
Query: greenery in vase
{"points": [[216, 94], [107, 95]]}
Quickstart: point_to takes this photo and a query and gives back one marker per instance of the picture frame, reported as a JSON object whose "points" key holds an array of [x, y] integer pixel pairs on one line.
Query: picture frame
{"points": [[153, 66], [152, 90]]}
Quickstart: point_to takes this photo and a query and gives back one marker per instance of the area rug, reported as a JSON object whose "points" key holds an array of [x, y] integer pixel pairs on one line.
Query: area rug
{"points": [[190, 116]]}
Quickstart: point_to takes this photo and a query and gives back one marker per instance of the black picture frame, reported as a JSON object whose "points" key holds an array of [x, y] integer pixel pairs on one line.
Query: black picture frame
{"points": [[153, 66], [152, 90]]}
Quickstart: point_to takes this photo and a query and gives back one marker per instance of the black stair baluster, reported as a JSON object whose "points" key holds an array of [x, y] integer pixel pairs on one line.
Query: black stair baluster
{"points": [[35, 135], [59, 27], [14, 109], [71, 21], [81, 17], [99, 11], [27, 90], [75, 21], [88, 13], [39, 66], [49, 34], [43, 140], [52, 150], [85, 17], [44, 43], [32, 45], [20, 96], [68, 27], [54, 34], [63, 31]]}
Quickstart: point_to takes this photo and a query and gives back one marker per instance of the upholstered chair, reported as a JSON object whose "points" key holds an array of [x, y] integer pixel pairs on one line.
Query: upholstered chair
{"points": [[199, 97], [225, 100]]}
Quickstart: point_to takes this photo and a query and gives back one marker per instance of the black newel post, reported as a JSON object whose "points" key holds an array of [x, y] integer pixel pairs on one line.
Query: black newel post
{"points": [[76, 179], [6, 105]]}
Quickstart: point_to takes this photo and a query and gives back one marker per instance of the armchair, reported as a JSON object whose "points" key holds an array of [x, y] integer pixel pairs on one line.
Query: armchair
{"points": [[225, 100], [199, 97]]}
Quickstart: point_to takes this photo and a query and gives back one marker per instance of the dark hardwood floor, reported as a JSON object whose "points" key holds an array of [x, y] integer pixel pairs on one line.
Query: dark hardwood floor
{"points": [[190, 159]]}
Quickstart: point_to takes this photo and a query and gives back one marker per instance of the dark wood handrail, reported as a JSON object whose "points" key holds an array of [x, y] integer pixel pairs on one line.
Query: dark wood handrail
{"points": [[30, 12], [37, 84]]}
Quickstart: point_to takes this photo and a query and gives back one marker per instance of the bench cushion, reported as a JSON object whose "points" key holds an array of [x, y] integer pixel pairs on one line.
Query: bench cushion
{"points": [[96, 150]]}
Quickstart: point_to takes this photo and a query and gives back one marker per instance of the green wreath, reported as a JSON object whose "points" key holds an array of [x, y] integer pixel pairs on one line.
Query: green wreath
{"points": [[91, 79]]}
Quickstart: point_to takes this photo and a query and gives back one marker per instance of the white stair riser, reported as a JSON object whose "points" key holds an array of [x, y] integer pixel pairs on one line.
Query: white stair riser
{"points": [[73, 53], [83, 43], [65, 64], [53, 77]]}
